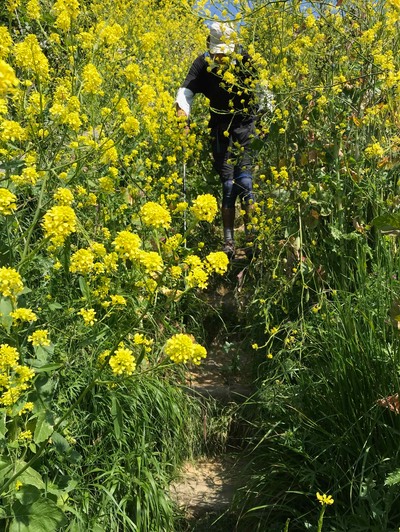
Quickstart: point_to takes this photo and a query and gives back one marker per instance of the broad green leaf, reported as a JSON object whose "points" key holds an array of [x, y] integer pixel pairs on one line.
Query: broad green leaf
{"points": [[29, 476], [44, 427], [5, 309], [41, 516], [26, 290], [27, 494], [387, 222], [55, 306], [60, 443], [6, 468], [47, 367], [44, 385], [74, 457], [42, 357], [84, 288]]}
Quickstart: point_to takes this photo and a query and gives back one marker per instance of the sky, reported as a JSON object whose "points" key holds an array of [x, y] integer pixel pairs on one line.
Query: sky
{"points": [[216, 7]]}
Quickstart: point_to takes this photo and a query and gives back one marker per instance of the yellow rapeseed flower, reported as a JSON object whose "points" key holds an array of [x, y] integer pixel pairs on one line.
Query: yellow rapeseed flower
{"points": [[127, 245], [88, 315], [10, 282], [155, 215], [182, 348], [7, 202], [39, 337], [29, 56], [8, 79], [82, 261], [205, 207], [217, 262], [58, 223], [324, 499], [122, 362], [23, 314], [91, 80]]}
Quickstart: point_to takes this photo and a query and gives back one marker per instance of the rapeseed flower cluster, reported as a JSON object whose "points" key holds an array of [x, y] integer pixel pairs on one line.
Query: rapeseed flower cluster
{"points": [[182, 348], [155, 215], [92, 80], [23, 314], [14, 378], [82, 261], [197, 276], [40, 337], [151, 261], [58, 223], [217, 262], [122, 361], [8, 202], [127, 245], [89, 316], [8, 79], [140, 339], [30, 57], [67, 12], [10, 283], [205, 208]]}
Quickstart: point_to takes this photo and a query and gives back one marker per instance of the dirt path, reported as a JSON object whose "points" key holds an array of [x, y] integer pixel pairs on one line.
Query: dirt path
{"points": [[205, 489]]}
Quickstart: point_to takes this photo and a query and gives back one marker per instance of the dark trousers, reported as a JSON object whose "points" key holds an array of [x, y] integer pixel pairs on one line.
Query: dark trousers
{"points": [[232, 160]]}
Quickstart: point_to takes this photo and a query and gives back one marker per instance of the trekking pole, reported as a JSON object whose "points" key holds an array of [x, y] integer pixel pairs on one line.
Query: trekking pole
{"points": [[184, 194], [184, 199]]}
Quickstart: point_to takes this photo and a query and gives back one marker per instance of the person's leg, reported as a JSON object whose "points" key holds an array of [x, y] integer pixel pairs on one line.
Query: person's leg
{"points": [[242, 138], [221, 150]]}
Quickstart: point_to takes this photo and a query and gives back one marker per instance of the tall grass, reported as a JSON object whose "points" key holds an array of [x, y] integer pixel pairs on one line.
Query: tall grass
{"points": [[321, 428], [122, 475]]}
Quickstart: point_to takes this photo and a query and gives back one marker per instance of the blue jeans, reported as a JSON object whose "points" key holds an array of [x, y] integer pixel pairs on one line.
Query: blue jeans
{"points": [[232, 161]]}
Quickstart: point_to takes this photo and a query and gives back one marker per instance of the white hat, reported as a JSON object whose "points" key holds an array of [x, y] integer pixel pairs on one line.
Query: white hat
{"points": [[220, 38]]}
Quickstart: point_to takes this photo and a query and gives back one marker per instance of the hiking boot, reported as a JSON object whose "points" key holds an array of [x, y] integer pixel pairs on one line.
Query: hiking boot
{"points": [[251, 250], [229, 249]]}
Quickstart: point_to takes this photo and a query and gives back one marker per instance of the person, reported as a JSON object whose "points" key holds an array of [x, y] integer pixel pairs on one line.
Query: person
{"points": [[224, 77]]}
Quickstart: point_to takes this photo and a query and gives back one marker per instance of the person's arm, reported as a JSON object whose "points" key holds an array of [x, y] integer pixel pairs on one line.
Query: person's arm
{"points": [[190, 87], [184, 99]]}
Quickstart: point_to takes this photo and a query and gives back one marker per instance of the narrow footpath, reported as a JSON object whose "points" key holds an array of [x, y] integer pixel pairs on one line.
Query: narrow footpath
{"points": [[206, 488]]}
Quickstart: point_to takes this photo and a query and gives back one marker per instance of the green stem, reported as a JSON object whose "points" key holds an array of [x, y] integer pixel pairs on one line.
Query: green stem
{"points": [[34, 221], [321, 518]]}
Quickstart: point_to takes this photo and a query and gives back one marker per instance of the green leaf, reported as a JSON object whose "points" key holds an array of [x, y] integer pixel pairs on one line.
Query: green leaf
{"points": [[84, 288], [3, 426], [47, 367], [6, 467], [60, 443], [29, 476], [41, 516], [336, 233], [116, 414], [42, 357], [387, 222], [44, 427], [27, 494], [393, 478], [44, 385], [55, 306], [5, 309]]}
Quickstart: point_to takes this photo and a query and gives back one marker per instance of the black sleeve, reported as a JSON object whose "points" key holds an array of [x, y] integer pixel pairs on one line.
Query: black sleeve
{"points": [[194, 78]]}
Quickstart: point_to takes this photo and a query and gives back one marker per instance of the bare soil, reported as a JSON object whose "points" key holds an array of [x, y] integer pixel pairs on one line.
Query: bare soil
{"points": [[206, 487]]}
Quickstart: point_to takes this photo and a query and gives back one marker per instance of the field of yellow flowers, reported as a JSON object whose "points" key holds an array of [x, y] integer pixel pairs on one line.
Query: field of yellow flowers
{"points": [[104, 256]]}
